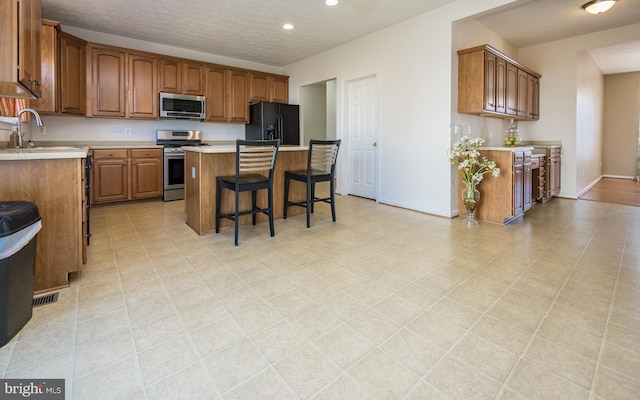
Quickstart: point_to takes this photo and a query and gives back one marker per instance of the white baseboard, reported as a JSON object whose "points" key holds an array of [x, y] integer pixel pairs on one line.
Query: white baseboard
{"points": [[592, 184]]}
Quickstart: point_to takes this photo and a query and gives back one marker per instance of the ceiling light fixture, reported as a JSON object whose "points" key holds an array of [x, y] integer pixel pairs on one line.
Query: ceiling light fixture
{"points": [[331, 2], [287, 26], [598, 6]]}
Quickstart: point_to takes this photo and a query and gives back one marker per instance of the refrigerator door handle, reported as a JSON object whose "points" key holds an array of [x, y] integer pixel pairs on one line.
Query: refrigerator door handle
{"points": [[279, 121]]}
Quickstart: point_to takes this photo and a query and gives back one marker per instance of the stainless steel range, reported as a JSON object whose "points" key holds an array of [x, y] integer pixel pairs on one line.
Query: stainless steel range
{"points": [[173, 160]]}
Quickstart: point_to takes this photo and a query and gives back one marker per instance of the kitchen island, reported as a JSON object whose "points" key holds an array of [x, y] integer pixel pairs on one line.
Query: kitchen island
{"points": [[54, 179], [204, 163]]}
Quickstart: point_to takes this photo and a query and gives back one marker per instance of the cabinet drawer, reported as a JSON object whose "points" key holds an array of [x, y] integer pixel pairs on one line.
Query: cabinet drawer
{"points": [[527, 156], [535, 163], [146, 153], [554, 152], [518, 157], [106, 154]]}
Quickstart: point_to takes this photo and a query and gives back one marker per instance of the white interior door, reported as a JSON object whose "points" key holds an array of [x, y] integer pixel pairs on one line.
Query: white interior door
{"points": [[362, 123]]}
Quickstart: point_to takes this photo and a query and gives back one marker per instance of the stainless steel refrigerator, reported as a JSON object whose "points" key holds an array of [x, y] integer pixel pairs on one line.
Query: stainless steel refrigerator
{"points": [[274, 121]]}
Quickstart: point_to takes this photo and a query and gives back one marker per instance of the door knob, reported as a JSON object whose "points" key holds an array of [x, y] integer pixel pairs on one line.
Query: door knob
{"points": [[375, 144]]}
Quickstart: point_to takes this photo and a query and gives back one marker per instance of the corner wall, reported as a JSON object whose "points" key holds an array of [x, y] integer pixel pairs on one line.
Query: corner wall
{"points": [[621, 120], [412, 61]]}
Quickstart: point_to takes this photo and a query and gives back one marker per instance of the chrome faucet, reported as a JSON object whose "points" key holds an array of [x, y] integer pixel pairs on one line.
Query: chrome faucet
{"points": [[17, 121]]}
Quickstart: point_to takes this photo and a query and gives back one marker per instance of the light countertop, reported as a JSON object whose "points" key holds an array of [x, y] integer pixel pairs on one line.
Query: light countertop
{"points": [[232, 149], [504, 148], [44, 153]]}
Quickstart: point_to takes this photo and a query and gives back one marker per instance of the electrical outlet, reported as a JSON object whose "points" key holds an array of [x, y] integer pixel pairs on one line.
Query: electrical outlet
{"points": [[127, 131]]}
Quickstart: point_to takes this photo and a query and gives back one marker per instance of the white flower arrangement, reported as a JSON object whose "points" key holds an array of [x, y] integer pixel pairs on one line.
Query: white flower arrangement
{"points": [[466, 157]]}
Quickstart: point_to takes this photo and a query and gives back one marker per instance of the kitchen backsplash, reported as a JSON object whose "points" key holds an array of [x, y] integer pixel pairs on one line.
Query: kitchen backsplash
{"points": [[65, 128]]}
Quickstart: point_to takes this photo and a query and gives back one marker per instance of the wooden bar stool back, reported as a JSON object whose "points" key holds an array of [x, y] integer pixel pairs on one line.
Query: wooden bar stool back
{"points": [[321, 166], [255, 162]]}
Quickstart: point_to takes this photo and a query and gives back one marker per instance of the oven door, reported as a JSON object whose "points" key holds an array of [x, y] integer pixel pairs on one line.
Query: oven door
{"points": [[173, 171]]}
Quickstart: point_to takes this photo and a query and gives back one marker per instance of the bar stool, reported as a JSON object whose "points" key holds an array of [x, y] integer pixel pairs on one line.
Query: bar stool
{"points": [[321, 166], [255, 161]]}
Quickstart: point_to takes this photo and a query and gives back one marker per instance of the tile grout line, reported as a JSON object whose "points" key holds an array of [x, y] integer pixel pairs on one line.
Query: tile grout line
{"points": [[544, 317], [594, 381]]}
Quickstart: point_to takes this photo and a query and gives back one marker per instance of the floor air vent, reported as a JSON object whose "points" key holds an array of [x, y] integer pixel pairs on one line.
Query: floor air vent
{"points": [[44, 300]]}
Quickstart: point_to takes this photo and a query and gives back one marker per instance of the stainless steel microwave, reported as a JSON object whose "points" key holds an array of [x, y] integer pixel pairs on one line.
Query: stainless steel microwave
{"points": [[182, 106]]}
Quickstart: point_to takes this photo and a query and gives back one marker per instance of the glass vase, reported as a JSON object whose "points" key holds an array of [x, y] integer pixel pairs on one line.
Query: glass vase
{"points": [[470, 198]]}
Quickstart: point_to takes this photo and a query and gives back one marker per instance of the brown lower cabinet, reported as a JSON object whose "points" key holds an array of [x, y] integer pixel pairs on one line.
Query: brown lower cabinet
{"points": [[126, 174], [506, 197], [56, 186]]}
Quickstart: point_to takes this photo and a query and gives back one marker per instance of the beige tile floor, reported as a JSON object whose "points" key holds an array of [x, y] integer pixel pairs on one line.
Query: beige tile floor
{"points": [[384, 304]]}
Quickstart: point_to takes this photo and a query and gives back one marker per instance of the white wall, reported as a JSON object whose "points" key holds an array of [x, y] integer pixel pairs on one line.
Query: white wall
{"points": [[63, 128], [589, 108], [558, 63], [413, 63], [331, 109]]}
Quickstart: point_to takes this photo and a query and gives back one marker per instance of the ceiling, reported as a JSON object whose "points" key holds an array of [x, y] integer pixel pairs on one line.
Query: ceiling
{"points": [[532, 22], [252, 29]]}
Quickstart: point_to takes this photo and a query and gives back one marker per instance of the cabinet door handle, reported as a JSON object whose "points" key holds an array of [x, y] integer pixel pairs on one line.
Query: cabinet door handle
{"points": [[110, 154], [146, 153], [124, 162]]}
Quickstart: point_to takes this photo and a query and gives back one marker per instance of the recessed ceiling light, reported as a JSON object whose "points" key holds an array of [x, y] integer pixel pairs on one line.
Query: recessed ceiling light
{"points": [[287, 26], [331, 2], [598, 6]]}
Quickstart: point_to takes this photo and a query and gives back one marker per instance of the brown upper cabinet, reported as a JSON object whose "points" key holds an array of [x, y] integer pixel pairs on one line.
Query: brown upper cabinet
{"points": [[20, 48], [63, 72], [227, 94], [106, 81], [494, 85], [72, 76], [123, 83], [216, 84], [143, 86], [238, 95], [106, 71], [269, 87], [48, 100], [181, 76]]}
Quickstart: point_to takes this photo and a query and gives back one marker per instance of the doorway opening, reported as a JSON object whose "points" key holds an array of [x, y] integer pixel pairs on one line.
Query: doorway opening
{"points": [[318, 111], [318, 120]]}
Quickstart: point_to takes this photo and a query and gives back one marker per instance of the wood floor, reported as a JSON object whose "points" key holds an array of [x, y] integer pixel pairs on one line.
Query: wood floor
{"points": [[614, 190]]}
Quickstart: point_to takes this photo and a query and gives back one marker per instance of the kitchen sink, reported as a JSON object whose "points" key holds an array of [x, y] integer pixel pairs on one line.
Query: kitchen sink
{"points": [[55, 148], [46, 148]]}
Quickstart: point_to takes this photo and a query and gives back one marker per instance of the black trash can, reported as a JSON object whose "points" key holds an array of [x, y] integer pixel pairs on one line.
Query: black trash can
{"points": [[19, 225]]}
